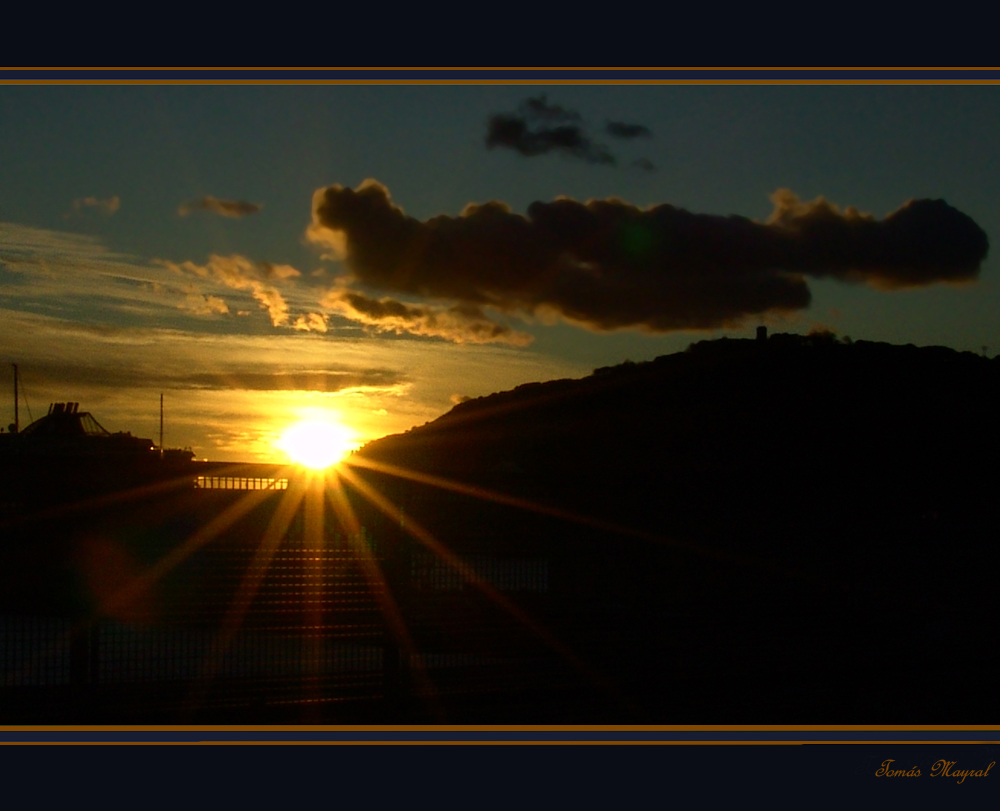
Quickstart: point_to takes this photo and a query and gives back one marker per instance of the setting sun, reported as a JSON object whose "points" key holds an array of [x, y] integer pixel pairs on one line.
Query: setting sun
{"points": [[315, 443]]}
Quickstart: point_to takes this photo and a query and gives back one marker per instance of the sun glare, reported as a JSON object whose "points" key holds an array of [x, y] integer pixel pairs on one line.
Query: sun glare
{"points": [[316, 444]]}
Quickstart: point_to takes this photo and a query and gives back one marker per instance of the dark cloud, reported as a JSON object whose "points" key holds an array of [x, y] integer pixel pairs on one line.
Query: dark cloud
{"points": [[539, 109], [515, 133], [923, 242], [227, 208], [538, 128], [619, 129], [644, 165], [606, 264]]}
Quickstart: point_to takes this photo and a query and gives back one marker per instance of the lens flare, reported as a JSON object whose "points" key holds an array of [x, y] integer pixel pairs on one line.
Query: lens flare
{"points": [[316, 444]]}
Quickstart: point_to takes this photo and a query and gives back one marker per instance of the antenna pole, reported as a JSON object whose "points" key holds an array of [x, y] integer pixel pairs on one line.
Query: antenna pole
{"points": [[17, 421], [161, 425]]}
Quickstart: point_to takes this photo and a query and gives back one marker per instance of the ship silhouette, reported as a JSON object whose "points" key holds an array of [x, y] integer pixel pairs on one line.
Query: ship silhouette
{"points": [[68, 453]]}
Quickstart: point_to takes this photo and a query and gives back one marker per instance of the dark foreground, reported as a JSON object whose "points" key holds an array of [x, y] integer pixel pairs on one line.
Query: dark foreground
{"points": [[798, 534]]}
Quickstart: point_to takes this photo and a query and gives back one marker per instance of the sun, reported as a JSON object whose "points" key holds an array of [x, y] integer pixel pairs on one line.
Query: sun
{"points": [[316, 443]]}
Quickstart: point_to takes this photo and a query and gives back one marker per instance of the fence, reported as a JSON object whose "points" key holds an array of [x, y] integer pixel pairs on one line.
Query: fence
{"points": [[314, 605], [255, 596]]}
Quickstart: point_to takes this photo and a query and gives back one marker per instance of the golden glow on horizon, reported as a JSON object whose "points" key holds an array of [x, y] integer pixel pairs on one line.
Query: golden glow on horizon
{"points": [[317, 442]]}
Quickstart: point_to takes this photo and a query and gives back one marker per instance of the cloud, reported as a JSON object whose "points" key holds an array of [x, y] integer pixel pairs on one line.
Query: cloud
{"points": [[538, 108], [538, 128], [130, 375], [311, 322], [239, 273], [201, 304], [227, 208], [606, 264], [63, 357], [324, 381], [461, 323], [24, 249], [922, 242], [619, 129], [66, 273], [103, 207]]}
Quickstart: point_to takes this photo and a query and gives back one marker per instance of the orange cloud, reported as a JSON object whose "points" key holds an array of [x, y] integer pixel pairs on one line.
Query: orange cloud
{"points": [[227, 208], [104, 207], [240, 273], [461, 323]]}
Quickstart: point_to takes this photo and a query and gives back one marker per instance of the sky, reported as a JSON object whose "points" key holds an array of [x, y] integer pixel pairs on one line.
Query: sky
{"points": [[262, 254]]}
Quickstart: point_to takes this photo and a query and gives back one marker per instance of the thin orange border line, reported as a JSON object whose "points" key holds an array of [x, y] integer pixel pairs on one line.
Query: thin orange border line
{"points": [[511, 81], [496, 69], [505, 728], [458, 742]]}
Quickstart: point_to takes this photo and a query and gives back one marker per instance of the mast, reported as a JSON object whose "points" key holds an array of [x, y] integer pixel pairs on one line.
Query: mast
{"points": [[17, 421], [161, 425]]}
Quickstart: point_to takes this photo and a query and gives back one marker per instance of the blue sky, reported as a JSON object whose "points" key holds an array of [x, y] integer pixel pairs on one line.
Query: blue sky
{"points": [[109, 293]]}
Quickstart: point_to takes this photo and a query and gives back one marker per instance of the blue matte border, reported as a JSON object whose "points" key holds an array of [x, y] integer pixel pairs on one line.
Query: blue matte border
{"points": [[182, 735], [497, 74], [553, 777]]}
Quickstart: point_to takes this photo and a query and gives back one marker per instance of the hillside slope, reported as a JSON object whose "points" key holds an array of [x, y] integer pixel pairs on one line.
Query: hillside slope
{"points": [[788, 520], [793, 429]]}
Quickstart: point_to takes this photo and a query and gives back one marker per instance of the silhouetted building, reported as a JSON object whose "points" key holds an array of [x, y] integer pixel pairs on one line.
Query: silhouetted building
{"points": [[66, 430], [68, 454], [761, 334]]}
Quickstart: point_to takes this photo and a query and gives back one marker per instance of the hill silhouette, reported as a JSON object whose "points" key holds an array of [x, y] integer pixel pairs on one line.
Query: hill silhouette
{"points": [[806, 428], [758, 515]]}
